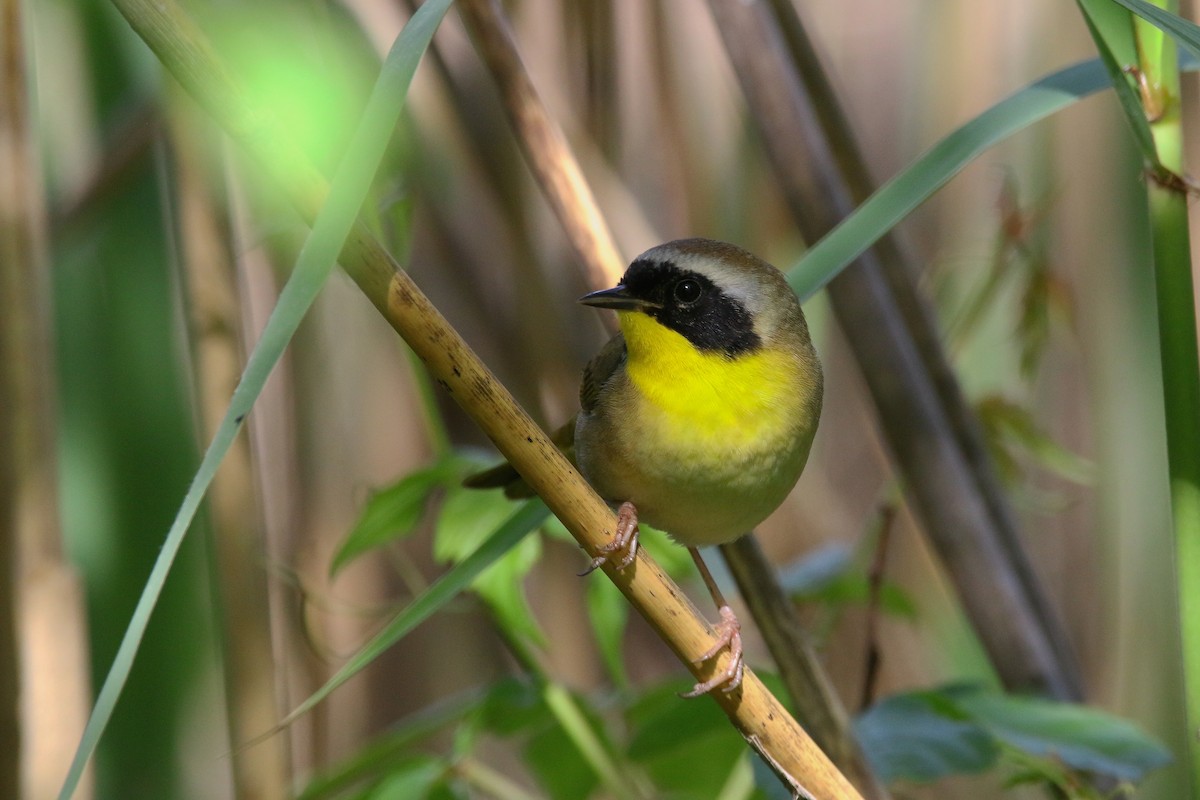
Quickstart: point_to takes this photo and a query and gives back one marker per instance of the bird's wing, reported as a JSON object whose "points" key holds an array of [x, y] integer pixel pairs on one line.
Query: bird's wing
{"points": [[600, 370], [595, 375]]}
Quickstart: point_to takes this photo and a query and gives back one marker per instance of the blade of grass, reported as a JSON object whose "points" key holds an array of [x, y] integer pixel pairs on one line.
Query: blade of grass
{"points": [[1185, 32], [526, 518], [317, 259], [914, 185], [895, 199]]}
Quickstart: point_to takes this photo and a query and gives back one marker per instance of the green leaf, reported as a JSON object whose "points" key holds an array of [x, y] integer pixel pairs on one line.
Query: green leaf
{"points": [[556, 530], [467, 516], [400, 742], [927, 735], [527, 517], [1185, 32], [687, 748], [609, 612], [390, 514], [671, 556], [513, 705], [560, 768], [1112, 31], [450, 788], [1085, 738], [856, 589], [502, 587], [829, 575], [413, 778], [914, 736], [317, 259], [1007, 425], [892, 201]]}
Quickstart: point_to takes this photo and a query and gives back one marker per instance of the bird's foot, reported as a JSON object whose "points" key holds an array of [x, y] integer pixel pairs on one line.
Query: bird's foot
{"points": [[625, 540], [729, 634]]}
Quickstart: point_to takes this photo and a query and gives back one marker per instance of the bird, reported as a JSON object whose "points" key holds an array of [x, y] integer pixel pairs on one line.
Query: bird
{"points": [[698, 416]]}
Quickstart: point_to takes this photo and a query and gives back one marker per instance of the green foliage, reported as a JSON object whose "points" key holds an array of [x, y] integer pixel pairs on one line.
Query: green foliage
{"points": [[393, 512], [609, 614], [526, 518], [685, 747], [831, 575], [1012, 431], [686, 750], [1183, 31], [923, 736], [416, 776]]}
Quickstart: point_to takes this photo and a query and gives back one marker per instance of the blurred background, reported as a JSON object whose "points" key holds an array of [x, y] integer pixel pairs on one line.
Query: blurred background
{"points": [[165, 249]]}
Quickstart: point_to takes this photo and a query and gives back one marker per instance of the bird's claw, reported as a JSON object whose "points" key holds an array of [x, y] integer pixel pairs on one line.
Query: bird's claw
{"points": [[625, 539], [729, 634]]}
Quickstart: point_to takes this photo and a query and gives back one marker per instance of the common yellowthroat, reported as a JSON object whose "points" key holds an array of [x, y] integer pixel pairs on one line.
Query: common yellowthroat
{"points": [[697, 418]]}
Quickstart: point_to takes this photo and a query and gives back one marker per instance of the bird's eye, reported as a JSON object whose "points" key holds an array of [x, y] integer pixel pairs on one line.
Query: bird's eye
{"points": [[688, 291]]}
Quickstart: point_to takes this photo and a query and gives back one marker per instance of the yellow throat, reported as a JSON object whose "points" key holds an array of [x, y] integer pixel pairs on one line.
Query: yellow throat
{"points": [[708, 392]]}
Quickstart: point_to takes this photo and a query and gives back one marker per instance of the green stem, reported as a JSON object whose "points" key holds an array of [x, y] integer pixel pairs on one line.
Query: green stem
{"points": [[491, 782], [1167, 199], [564, 708], [575, 724]]}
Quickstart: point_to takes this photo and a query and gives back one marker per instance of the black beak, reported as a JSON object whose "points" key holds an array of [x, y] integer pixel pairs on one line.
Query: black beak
{"points": [[617, 298]]}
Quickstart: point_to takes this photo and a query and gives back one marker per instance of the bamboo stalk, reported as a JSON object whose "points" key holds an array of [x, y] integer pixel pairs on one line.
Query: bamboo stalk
{"points": [[187, 53], [817, 705], [1167, 196], [993, 579]]}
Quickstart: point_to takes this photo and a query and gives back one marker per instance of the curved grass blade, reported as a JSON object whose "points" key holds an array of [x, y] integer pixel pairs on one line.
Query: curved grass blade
{"points": [[528, 516], [895, 199], [316, 261], [892, 201]]}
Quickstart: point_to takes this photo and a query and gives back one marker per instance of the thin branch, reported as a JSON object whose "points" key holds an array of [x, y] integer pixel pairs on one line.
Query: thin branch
{"points": [[545, 147], [188, 54], [817, 704], [875, 578]]}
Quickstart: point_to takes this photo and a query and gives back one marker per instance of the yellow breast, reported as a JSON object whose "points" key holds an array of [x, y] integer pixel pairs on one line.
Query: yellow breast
{"points": [[705, 395], [704, 445]]}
